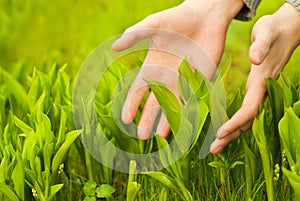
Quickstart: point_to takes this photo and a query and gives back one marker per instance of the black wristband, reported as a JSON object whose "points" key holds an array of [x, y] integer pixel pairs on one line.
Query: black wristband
{"points": [[248, 11]]}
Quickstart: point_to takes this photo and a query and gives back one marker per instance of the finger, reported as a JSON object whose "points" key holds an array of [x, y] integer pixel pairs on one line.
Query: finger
{"points": [[157, 66], [163, 127], [253, 98], [219, 144], [142, 30], [135, 95], [261, 44], [149, 114]]}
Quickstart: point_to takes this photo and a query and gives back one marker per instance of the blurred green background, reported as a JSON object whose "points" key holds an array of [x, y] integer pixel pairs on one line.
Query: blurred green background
{"points": [[39, 32]]}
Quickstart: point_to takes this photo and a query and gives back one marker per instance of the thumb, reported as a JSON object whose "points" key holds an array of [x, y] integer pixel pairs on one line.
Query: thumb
{"points": [[261, 45], [142, 30]]}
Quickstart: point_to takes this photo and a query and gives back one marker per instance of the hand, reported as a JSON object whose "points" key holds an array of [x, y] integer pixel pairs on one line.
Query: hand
{"points": [[274, 39], [205, 22]]}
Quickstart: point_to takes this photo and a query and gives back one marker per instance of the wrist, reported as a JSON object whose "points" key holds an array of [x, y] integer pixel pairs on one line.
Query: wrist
{"points": [[224, 9], [289, 17]]}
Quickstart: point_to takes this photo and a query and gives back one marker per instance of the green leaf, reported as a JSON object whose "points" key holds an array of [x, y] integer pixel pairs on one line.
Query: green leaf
{"points": [[8, 192], [53, 190], [61, 153], [23, 126], [296, 107], [132, 187], [235, 104], [89, 188], [105, 191], [276, 95], [217, 164], [86, 198], [294, 181], [62, 128], [187, 83], [18, 178], [289, 132], [236, 163], [250, 167], [15, 88], [132, 190], [165, 180], [166, 156], [185, 192], [266, 156], [169, 102]]}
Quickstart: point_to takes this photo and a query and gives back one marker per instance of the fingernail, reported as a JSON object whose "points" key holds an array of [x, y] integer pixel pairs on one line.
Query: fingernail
{"points": [[116, 43], [257, 56], [213, 145], [220, 132], [218, 149]]}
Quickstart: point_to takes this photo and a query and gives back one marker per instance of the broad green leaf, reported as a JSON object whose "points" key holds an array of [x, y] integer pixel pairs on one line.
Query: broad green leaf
{"points": [[53, 190], [120, 137], [105, 191], [165, 180], [61, 153], [15, 88], [276, 95], [43, 129], [185, 136], [62, 129], [87, 198], [132, 171], [132, 190], [202, 115], [185, 192], [18, 178], [287, 92], [296, 108], [223, 70], [3, 169], [186, 72], [34, 91], [38, 109], [89, 188], [235, 104], [250, 167], [187, 82], [289, 132], [166, 156], [169, 102], [236, 163], [8, 192], [48, 150], [266, 156], [37, 167], [294, 181], [217, 164], [23, 126]]}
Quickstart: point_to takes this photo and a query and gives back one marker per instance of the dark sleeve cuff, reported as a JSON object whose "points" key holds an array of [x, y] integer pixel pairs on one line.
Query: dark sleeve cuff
{"points": [[249, 10], [295, 3]]}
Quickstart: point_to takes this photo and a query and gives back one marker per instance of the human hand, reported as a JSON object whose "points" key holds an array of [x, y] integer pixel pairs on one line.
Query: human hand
{"points": [[274, 39], [205, 22]]}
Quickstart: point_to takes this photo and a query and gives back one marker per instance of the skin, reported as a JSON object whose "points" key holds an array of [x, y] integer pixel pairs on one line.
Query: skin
{"points": [[193, 19], [274, 38]]}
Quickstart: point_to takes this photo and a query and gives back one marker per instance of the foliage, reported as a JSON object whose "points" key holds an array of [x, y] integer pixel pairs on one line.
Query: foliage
{"points": [[41, 157]]}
